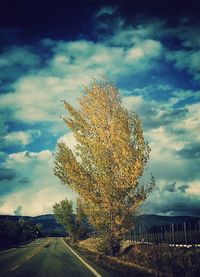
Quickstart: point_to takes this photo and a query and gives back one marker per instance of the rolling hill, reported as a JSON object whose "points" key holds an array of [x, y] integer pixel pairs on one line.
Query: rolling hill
{"points": [[52, 228]]}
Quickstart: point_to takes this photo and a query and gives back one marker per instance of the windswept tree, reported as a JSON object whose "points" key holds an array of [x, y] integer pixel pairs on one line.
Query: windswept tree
{"points": [[111, 155], [64, 215], [81, 220]]}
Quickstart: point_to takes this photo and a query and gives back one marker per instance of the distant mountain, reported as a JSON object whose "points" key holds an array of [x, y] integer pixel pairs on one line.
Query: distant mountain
{"points": [[45, 217], [50, 226], [150, 220]]}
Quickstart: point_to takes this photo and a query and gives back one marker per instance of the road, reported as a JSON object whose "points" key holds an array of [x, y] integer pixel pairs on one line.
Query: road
{"points": [[43, 257]]}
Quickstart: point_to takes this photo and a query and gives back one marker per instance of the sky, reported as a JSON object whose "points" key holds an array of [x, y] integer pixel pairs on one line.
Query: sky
{"points": [[50, 49]]}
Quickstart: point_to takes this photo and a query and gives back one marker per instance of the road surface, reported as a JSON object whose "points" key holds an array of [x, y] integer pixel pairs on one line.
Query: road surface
{"points": [[43, 257]]}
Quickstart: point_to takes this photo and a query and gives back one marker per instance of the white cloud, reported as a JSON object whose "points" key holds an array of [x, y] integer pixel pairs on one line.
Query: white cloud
{"points": [[194, 189], [36, 97], [166, 202], [186, 59], [18, 56], [105, 11], [28, 157], [35, 202], [44, 155], [161, 135], [129, 35], [21, 137], [147, 49], [69, 140], [74, 58], [133, 102], [170, 133], [190, 124], [41, 190]]}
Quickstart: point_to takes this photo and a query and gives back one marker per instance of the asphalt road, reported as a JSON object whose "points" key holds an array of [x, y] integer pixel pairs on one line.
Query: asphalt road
{"points": [[43, 257]]}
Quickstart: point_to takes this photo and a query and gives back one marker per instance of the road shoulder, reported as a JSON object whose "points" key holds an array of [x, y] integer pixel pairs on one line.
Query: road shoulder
{"points": [[96, 270]]}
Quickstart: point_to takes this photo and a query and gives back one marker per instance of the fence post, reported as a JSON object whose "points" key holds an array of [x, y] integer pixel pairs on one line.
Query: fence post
{"points": [[173, 236], [196, 232], [146, 235], [140, 233], [185, 233], [190, 230]]}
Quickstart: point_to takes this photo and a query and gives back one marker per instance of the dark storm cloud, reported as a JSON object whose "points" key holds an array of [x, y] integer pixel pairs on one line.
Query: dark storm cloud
{"points": [[171, 203], [154, 120], [190, 207], [154, 116], [165, 8], [64, 18], [7, 174], [3, 130], [24, 180], [174, 114], [9, 181], [171, 187], [13, 65], [174, 13], [182, 170], [9, 37], [45, 18], [8, 186], [183, 188], [190, 152]]}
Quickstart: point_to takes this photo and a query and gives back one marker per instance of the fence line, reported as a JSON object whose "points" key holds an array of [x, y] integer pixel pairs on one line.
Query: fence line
{"points": [[187, 233]]}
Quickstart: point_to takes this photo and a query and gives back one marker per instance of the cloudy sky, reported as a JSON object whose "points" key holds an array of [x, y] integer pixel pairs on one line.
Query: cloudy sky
{"points": [[49, 49]]}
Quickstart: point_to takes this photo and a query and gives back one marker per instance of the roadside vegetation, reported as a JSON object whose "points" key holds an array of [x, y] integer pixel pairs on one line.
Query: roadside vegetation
{"points": [[13, 233], [75, 225], [164, 260], [144, 259]]}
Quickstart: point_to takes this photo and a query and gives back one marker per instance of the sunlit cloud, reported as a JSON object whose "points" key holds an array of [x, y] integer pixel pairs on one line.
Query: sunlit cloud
{"points": [[21, 137]]}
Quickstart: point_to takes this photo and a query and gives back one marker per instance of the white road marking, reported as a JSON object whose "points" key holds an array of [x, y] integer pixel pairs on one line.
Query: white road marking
{"points": [[86, 264], [7, 250], [15, 267], [27, 257]]}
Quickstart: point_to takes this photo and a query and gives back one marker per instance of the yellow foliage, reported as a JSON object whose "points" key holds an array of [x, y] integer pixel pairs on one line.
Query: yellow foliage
{"points": [[112, 155]]}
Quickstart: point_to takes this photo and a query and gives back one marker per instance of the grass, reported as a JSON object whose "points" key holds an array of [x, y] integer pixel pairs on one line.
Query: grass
{"points": [[144, 260], [165, 260], [90, 244], [113, 265]]}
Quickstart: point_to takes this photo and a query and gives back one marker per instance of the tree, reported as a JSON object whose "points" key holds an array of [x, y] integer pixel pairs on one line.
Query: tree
{"points": [[28, 229], [64, 215], [13, 231], [10, 232], [111, 155], [81, 220]]}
